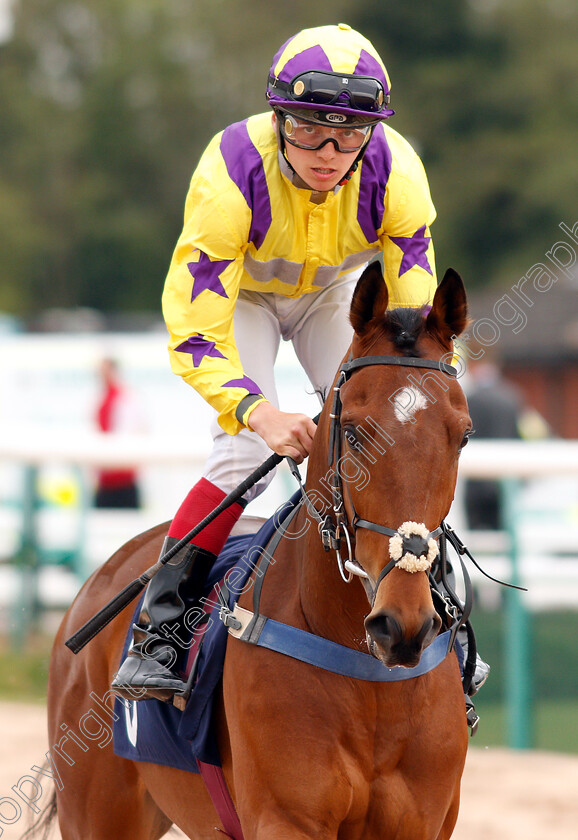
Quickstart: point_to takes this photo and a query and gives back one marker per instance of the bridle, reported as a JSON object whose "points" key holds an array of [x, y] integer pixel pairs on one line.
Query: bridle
{"points": [[337, 525]]}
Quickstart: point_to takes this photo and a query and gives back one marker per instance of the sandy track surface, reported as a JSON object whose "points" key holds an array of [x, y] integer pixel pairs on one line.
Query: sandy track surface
{"points": [[505, 795]]}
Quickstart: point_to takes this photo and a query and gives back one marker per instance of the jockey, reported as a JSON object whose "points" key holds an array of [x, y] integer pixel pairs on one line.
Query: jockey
{"points": [[283, 212]]}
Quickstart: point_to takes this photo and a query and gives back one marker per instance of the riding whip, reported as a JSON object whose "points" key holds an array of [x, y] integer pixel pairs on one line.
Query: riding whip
{"points": [[104, 616]]}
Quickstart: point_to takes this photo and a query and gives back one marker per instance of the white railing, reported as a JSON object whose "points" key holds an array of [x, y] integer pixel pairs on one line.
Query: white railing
{"points": [[481, 458], [33, 446], [519, 459], [171, 464], [509, 461]]}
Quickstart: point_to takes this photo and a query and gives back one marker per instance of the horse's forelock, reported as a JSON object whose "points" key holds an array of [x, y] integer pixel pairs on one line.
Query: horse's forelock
{"points": [[404, 326]]}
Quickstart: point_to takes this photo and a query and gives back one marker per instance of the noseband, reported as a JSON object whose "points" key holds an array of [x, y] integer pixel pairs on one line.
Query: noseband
{"points": [[412, 547]]}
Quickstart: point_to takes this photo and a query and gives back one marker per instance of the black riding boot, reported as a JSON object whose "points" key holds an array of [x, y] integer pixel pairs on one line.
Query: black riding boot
{"points": [[160, 639]]}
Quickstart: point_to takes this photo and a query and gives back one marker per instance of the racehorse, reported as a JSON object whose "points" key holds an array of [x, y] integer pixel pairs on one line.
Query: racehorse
{"points": [[307, 752]]}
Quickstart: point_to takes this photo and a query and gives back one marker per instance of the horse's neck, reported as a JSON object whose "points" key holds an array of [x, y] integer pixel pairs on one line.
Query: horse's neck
{"points": [[331, 607]]}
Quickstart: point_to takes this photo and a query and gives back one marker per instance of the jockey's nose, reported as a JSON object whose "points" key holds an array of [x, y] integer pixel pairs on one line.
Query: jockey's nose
{"points": [[328, 151]]}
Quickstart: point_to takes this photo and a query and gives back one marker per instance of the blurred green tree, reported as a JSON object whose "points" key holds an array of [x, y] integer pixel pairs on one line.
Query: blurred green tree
{"points": [[106, 106], [488, 92]]}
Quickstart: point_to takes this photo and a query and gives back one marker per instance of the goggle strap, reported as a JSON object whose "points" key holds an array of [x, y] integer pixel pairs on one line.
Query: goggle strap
{"points": [[346, 177]]}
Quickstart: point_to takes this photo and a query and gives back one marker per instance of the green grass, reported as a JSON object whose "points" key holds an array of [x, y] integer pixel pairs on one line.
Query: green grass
{"points": [[554, 653], [24, 673], [554, 678], [554, 725]]}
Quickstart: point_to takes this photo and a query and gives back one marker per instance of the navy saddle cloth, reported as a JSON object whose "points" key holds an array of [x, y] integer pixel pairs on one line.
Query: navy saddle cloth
{"points": [[150, 730]]}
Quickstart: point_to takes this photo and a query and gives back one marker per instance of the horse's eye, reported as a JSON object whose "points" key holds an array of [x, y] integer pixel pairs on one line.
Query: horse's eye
{"points": [[351, 437], [467, 435]]}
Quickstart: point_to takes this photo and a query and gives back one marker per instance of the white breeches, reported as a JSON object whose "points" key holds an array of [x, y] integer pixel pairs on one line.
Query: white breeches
{"points": [[318, 326]]}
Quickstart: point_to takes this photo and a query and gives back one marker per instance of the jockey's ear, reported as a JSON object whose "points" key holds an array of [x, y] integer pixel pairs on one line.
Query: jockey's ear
{"points": [[449, 313], [369, 300]]}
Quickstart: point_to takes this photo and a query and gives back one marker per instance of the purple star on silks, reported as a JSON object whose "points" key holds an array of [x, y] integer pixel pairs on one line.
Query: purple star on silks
{"points": [[205, 274], [199, 347], [245, 382], [414, 250]]}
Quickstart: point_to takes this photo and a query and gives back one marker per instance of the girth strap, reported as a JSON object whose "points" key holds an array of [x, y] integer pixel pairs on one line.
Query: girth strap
{"points": [[214, 779]]}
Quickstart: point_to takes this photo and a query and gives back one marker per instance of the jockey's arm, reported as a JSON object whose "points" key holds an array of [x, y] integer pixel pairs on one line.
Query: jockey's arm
{"points": [[201, 290], [408, 252]]}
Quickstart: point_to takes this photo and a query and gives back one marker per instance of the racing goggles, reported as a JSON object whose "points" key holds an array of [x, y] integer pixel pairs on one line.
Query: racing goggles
{"points": [[312, 136], [363, 93]]}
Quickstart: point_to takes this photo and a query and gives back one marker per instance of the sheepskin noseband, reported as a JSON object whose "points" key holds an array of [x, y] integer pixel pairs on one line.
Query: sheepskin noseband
{"points": [[412, 548]]}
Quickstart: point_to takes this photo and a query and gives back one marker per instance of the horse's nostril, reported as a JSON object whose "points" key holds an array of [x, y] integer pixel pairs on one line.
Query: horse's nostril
{"points": [[429, 630], [389, 640], [384, 629]]}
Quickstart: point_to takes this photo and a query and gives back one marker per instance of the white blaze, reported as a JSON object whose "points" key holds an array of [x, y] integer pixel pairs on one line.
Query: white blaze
{"points": [[407, 402]]}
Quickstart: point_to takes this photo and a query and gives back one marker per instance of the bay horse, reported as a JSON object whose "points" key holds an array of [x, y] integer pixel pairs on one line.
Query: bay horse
{"points": [[307, 752]]}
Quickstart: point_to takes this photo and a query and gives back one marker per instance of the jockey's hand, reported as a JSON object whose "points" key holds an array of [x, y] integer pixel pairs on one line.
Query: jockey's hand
{"points": [[284, 433]]}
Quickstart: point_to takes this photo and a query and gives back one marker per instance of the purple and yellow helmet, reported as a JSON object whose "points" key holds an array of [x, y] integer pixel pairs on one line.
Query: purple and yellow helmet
{"points": [[331, 74]]}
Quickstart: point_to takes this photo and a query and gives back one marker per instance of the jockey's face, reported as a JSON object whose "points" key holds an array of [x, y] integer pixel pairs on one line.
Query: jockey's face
{"points": [[319, 169], [322, 169]]}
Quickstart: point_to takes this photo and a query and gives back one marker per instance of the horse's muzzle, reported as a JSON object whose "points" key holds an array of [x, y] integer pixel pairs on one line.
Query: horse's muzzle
{"points": [[389, 641]]}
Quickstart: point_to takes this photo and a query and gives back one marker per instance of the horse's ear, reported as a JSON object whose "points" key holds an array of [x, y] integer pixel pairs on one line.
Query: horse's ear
{"points": [[449, 313], [369, 300]]}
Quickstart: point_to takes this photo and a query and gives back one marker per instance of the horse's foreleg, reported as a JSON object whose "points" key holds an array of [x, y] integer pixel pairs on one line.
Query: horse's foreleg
{"points": [[272, 826], [184, 798], [451, 819], [101, 799]]}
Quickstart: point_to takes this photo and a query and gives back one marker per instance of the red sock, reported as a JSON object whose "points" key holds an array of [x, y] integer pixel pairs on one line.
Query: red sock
{"points": [[201, 500]]}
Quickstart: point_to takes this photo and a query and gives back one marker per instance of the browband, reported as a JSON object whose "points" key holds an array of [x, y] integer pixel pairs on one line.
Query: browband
{"points": [[403, 361]]}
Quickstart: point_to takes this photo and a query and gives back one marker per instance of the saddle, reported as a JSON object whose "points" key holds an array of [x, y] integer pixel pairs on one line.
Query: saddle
{"points": [[154, 731]]}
